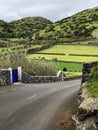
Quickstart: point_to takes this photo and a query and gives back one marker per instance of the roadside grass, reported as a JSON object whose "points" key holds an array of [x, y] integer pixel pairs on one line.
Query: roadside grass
{"points": [[72, 49], [64, 58], [92, 87], [92, 83]]}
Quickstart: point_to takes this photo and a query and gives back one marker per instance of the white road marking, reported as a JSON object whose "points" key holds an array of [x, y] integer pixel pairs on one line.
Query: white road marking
{"points": [[14, 89], [22, 88], [3, 91], [53, 89], [31, 97]]}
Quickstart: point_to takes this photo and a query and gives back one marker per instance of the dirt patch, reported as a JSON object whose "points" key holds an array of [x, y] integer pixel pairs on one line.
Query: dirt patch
{"points": [[68, 124]]}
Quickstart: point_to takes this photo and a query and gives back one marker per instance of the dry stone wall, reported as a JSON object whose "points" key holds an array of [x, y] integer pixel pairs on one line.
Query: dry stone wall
{"points": [[26, 78], [5, 77], [86, 70], [87, 113]]}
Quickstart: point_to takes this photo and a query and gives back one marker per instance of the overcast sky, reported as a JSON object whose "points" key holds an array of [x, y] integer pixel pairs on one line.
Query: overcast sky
{"points": [[52, 9]]}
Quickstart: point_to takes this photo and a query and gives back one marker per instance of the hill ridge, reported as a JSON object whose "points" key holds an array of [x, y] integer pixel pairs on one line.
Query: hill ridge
{"points": [[80, 26]]}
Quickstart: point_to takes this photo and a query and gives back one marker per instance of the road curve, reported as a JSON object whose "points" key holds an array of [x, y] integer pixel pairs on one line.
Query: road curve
{"points": [[36, 106]]}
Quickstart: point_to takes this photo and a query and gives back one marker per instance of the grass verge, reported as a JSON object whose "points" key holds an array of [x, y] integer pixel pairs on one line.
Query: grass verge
{"points": [[92, 83]]}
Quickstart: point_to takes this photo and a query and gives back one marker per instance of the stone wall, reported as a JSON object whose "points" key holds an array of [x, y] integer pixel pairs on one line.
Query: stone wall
{"points": [[35, 50], [87, 113], [5, 77], [26, 78], [86, 70]]}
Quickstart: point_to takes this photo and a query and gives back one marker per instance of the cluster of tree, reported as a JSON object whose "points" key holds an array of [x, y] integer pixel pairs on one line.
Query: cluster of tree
{"points": [[23, 28]]}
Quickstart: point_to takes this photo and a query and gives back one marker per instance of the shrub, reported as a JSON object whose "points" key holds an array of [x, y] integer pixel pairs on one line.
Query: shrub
{"points": [[94, 73], [38, 68], [32, 67], [92, 83], [64, 69]]}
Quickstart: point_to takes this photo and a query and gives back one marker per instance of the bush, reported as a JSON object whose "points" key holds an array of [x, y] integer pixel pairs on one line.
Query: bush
{"points": [[32, 67], [64, 69], [38, 68], [94, 73], [92, 83]]}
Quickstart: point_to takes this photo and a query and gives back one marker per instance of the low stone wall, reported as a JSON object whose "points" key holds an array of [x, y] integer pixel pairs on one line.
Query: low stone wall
{"points": [[35, 50], [56, 60], [87, 113], [26, 78], [5, 77], [67, 54], [86, 70]]}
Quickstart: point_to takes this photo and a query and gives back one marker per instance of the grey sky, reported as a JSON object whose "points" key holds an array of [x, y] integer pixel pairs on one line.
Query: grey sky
{"points": [[52, 9]]}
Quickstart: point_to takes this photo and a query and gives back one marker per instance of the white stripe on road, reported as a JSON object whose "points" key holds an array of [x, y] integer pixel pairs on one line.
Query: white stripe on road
{"points": [[3, 91], [53, 89], [31, 97], [22, 88], [14, 89]]}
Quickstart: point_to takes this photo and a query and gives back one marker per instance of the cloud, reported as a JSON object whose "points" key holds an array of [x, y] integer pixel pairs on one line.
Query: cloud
{"points": [[51, 9]]}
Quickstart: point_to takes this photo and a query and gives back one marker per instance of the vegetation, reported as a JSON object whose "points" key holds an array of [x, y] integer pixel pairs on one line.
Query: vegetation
{"points": [[92, 83], [28, 33], [30, 66], [81, 26], [70, 67], [72, 74], [23, 28], [63, 58], [72, 49]]}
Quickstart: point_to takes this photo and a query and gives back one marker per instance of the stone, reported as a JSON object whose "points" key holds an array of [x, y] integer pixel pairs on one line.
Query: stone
{"points": [[87, 124]]}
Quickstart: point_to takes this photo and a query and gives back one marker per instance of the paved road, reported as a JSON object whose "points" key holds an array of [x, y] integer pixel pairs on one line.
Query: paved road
{"points": [[36, 106]]}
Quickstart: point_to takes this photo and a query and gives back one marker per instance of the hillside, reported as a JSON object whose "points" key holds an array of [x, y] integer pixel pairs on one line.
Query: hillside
{"points": [[81, 26], [23, 28]]}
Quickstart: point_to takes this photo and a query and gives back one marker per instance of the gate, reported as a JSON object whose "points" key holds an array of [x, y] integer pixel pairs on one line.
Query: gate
{"points": [[15, 76]]}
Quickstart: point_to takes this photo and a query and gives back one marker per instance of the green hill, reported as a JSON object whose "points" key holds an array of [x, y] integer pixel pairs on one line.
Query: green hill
{"points": [[81, 26], [23, 28]]}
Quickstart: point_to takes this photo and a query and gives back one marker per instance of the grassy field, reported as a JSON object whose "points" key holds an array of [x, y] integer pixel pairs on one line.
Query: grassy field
{"points": [[72, 69], [61, 65], [72, 74], [64, 58], [72, 49]]}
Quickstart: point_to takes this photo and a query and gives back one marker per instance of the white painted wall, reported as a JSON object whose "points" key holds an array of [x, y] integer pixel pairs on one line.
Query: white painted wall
{"points": [[19, 73]]}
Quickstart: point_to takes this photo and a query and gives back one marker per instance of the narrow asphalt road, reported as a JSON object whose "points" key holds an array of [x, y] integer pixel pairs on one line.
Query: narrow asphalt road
{"points": [[37, 106]]}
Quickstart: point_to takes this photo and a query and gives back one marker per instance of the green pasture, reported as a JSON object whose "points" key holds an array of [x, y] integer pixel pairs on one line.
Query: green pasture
{"points": [[71, 74], [72, 49], [61, 65], [64, 57], [72, 69]]}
